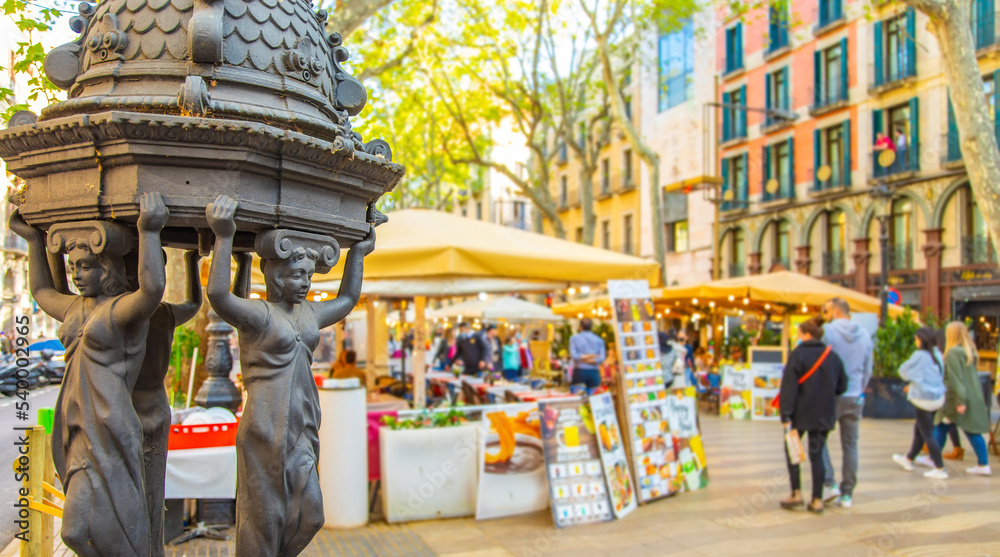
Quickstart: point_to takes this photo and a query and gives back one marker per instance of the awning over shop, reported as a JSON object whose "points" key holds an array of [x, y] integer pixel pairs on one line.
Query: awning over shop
{"points": [[508, 309]]}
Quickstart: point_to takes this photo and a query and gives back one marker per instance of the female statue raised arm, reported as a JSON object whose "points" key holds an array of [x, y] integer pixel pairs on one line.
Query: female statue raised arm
{"points": [[97, 437], [279, 506]]}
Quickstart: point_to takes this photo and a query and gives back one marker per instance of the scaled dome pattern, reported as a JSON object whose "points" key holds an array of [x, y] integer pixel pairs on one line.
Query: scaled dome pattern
{"points": [[269, 61]]}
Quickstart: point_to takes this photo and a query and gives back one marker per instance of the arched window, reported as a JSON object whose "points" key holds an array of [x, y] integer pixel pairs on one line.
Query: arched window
{"points": [[782, 243], [836, 243], [976, 245], [737, 253], [901, 235]]}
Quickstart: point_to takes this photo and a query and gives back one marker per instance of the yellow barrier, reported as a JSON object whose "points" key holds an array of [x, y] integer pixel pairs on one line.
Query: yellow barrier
{"points": [[38, 482]]}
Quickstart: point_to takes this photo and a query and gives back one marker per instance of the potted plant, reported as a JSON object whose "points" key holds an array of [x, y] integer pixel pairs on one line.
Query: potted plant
{"points": [[884, 396]]}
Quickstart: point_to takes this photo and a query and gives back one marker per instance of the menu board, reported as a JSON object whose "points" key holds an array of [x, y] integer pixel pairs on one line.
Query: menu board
{"points": [[613, 454], [511, 468], [766, 385], [573, 463], [640, 384], [735, 393], [690, 472]]}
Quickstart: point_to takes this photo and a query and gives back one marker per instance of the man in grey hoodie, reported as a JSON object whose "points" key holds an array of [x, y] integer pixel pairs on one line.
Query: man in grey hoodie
{"points": [[854, 345]]}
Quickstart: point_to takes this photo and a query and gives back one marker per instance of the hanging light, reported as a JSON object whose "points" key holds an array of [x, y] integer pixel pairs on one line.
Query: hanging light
{"points": [[767, 306], [731, 297], [254, 296], [324, 295], [579, 316], [720, 327], [317, 298], [741, 312], [694, 301], [711, 304], [585, 290], [696, 316], [571, 291], [746, 301], [482, 296], [668, 311]]}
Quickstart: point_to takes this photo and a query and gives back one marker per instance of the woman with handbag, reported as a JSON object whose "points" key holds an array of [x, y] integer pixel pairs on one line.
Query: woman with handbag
{"points": [[924, 374], [813, 378], [963, 402]]}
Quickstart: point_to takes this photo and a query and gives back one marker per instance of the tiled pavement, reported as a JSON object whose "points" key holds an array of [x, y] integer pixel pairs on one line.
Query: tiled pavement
{"points": [[895, 513]]}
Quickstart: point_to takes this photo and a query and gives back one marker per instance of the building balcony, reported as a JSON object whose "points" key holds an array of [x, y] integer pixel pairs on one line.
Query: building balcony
{"points": [[827, 101], [978, 250], [900, 169], [901, 71], [737, 270], [735, 131], [833, 263], [901, 257], [785, 192]]}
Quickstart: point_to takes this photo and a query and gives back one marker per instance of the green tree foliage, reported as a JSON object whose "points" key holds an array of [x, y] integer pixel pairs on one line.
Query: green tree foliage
{"points": [[181, 352], [894, 344], [34, 20]]}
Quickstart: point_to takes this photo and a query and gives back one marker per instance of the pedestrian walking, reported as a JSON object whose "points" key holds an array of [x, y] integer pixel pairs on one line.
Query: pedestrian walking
{"points": [[588, 352], [924, 374], [495, 347], [511, 359], [810, 384], [964, 406], [854, 345], [471, 350]]}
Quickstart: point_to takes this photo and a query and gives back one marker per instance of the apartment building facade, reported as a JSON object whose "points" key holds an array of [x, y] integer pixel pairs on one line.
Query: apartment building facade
{"points": [[798, 191], [665, 98]]}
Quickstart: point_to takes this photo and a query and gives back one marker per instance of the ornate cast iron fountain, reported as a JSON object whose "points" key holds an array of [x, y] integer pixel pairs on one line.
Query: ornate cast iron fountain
{"points": [[172, 104]]}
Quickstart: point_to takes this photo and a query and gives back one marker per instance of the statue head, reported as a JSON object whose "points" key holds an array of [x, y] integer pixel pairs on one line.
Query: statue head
{"points": [[95, 274], [290, 279]]}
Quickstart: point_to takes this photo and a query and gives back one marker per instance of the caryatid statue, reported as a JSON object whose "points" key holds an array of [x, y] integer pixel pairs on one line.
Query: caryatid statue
{"points": [[279, 506], [97, 436]]}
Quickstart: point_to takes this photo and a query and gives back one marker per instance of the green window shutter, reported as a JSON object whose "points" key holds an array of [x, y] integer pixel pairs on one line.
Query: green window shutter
{"points": [[989, 35], [914, 147], [876, 125], [954, 150], [844, 68], [879, 54], [817, 160], [726, 118], [765, 156], [725, 175], [911, 43], [767, 92], [744, 189], [738, 47], [786, 102], [742, 114], [817, 78], [846, 152], [791, 168]]}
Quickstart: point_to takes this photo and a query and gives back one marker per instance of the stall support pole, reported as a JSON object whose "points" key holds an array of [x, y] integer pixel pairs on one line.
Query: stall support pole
{"points": [[786, 324], [419, 358], [370, 341]]}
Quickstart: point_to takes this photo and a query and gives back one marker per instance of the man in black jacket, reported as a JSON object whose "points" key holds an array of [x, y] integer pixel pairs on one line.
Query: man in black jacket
{"points": [[471, 349]]}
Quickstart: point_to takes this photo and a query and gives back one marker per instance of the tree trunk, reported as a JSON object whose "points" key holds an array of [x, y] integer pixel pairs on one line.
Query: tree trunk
{"points": [[587, 202], [951, 25], [647, 154]]}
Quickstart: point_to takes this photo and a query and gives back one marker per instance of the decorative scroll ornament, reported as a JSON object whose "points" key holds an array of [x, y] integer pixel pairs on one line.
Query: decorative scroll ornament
{"points": [[280, 244], [101, 237]]}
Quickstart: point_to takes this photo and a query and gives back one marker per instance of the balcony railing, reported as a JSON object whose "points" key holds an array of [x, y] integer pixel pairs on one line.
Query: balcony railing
{"points": [[737, 127], [901, 257], [837, 179], [893, 71], [824, 98], [737, 270], [786, 190], [978, 250], [833, 263], [520, 223], [900, 165]]}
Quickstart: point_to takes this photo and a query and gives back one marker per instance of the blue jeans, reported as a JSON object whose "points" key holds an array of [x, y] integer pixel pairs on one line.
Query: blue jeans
{"points": [[590, 378], [511, 374], [975, 439]]}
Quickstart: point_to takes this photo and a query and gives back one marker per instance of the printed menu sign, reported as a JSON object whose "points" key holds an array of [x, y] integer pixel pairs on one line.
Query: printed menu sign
{"points": [[650, 443], [613, 454], [734, 396], [511, 469], [682, 413], [766, 385], [573, 463]]}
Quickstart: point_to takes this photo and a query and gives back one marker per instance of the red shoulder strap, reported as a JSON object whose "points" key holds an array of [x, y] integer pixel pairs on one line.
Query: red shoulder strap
{"points": [[815, 366]]}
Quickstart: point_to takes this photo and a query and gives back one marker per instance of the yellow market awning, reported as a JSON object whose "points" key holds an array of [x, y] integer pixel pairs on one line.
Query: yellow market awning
{"points": [[420, 244]]}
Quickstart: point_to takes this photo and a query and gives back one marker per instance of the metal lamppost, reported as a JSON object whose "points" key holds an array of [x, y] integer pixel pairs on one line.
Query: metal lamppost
{"points": [[883, 194]]}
